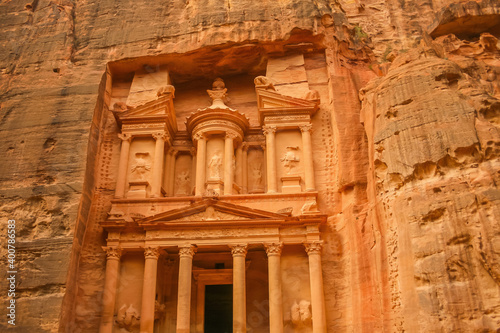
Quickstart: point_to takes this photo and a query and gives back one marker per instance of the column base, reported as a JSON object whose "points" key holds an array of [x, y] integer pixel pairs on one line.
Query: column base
{"points": [[138, 189], [215, 186], [291, 184]]}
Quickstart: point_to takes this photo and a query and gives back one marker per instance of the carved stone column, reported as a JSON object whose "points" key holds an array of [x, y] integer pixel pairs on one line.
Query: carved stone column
{"points": [[244, 167], [193, 169], [228, 163], [158, 164], [239, 252], [201, 157], [270, 132], [113, 255], [171, 171], [121, 182], [313, 250], [238, 177], [151, 255], [308, 157], [273, 251], [186, 254]]}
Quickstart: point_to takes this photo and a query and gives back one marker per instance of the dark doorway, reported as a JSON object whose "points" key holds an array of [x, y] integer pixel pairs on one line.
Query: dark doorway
{"points": [[219, 308]]}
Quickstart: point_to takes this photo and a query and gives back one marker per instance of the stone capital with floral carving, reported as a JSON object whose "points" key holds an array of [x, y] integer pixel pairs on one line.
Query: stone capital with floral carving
{"points": [[173, 151], [269, 129], [313, 247], [112, 252], [161, 136], [187, 251], [273, 249], [125, 136], [231, 135], [199, 136], [239, 250], [152, 252], [305, 128]]}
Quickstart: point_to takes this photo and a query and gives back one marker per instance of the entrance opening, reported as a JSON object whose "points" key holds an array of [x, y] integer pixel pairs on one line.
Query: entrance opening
{"points": [[219, 308]]}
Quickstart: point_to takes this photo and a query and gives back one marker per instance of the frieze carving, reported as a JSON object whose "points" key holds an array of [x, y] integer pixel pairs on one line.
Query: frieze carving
{"points": [[268, 129], [239, 250], [313, 247], [288, 118], [187, 251], [222, 124], [112, 252], [273, 249], [125, 136], [142, 126], [151, 252]]}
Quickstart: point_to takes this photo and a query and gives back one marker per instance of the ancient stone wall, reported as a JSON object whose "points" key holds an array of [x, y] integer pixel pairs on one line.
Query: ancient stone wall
{"points": [[407, 133]]}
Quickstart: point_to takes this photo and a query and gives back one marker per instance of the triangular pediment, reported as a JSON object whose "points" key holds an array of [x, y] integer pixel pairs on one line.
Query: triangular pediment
{"points": [[270, 99], [210, 210]]}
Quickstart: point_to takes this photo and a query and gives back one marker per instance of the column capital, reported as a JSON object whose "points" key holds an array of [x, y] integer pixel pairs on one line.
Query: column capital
{"points": [[199, 136], [173, 151], [238, 250], [151, 252], [125, 136], [231, 135], [263, 146], [192, 151], [112, 252], [161, 136], [273, 249], [268, 129], [244, 146], [313, 247], [187, 251], [305, 127]]}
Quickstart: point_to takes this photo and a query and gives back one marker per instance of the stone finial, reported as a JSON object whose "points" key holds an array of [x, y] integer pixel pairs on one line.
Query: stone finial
{"points": [[120, 106], [263, 82], [312, 95], [166, 90], [218, 94]]}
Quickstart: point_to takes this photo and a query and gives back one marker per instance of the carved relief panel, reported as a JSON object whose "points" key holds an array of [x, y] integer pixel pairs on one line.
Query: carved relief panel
{"points": [[256, 170]]}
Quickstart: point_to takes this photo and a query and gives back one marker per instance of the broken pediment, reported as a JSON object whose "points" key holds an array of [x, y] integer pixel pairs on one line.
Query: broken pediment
{"points": [[160, 110], [272, 103]]}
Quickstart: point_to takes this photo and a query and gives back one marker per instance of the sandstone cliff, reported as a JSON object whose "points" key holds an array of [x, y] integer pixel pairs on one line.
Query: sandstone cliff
{"points": [[409, 131]]}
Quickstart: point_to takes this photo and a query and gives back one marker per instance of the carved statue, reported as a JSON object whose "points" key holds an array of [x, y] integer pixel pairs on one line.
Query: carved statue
{"points": [[301, 313], [210, 214], [141, 167], [257, 175], [183, 183], [214, 165], [290, 159], [128, 318]]}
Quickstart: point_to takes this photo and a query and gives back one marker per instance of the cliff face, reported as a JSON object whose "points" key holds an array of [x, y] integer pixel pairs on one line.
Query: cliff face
{"points": [[411, 125]]}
